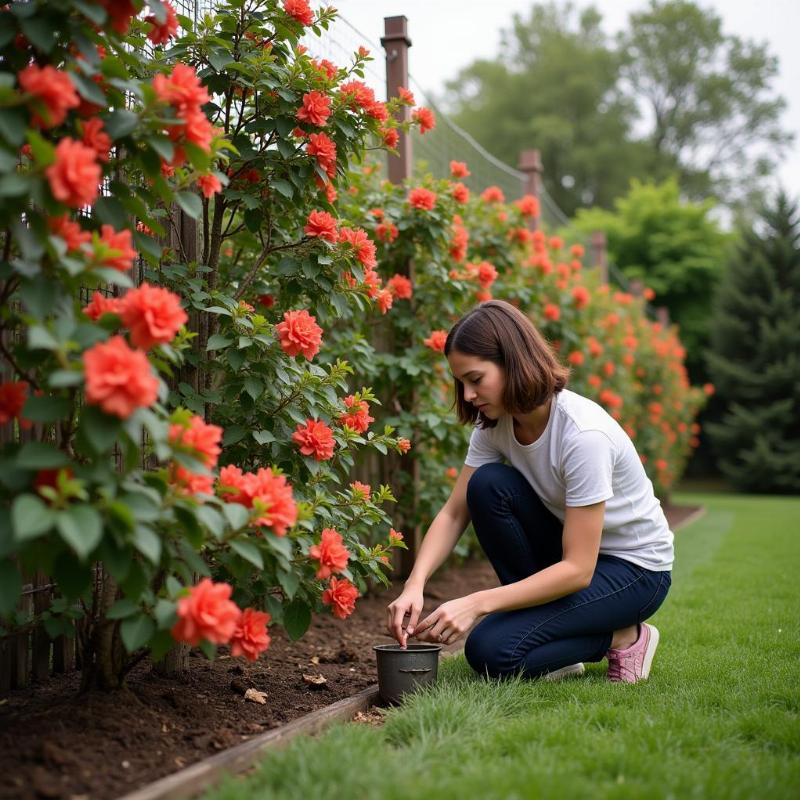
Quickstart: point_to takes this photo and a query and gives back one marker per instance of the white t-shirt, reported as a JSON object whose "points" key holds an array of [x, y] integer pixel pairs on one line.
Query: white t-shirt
{"points": [[584, 456]]}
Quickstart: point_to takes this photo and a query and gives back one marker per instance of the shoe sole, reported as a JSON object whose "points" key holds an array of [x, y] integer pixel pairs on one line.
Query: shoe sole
{"points": [[573, 670], [650, 652]]}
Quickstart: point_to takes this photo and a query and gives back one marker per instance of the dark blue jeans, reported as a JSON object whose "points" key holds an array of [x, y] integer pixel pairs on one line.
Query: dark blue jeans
{"points": [[521, 536]]}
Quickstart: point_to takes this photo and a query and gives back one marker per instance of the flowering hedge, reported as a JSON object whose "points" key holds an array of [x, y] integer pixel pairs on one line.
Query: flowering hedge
{"points": [[167, 419]]}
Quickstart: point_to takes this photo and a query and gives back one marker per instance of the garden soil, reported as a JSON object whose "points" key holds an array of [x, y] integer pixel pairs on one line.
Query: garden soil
{"points": [[56, 743]]}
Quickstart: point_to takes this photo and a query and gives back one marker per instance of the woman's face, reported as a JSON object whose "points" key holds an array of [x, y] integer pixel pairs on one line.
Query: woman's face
{"points": [[482, 380]]}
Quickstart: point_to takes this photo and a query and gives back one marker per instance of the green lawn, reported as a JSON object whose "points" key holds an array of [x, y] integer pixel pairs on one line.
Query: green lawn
{"points": [[719, 717]]}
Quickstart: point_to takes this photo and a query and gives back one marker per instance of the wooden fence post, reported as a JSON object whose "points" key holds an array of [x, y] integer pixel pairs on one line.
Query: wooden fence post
{"points": [[395, 42], [530, 162]]}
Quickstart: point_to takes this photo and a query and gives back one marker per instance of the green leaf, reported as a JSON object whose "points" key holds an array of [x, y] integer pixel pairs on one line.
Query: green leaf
{"points": [[284, 187], [147, 543], [190, 203], [263, 437], [15, 184], [236, 514], [164, 613], [89, 89], [110, 211], [136, 631], [13, 125], [40, 297], [218, 341], [61, 378], [45, 409], [233, 434], [10, 587], [101, 430], [40, 338], [40, 455], [122, 608], [280, 545], [121, 123], [296, 619], [162, 146], [249, 552], [72, 577], [81, 527], [289, 581], [212, 519], [253, 386], [40, 31]]}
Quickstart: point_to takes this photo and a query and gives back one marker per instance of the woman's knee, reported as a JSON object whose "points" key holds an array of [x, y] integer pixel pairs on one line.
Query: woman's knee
{"points": [[485, 656]]}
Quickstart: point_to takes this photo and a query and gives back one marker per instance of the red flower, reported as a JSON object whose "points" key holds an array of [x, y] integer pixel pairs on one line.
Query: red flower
{"points": [[118, 379], [404, 445], [400, 286], [422, 198], [162, 32], [316, 109], [96, 138], [708, 389], [209, 184], [251, 637], [387, 232], [299, 9], [341, 596], [196, 128], [356, 94], [75, 176], [13, 395], [425, 118], [322, 224], [357, 417], [324, 149], [330, 69], [458, 169], [576, 358], [71, 232], [487, 274], [390, 136], [52, 89], [395, 536], [266, 491], [528, 205], [364, 247], [580, 296], [330, 552], [201, 439], [460, 193], [190, 483], [577, 251], [120, 13], [406, 96], [206, 613], [361, 491], [555, 243], [299, 333], [100, 304], [552, 312], [315, 438], [493, 194], [385, 300], [181, 88], [115, 249], [436, 341], [266, 300]]}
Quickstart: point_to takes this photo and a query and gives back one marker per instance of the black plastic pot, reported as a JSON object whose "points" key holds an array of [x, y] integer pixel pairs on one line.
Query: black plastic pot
{"points": [[402, 671]]}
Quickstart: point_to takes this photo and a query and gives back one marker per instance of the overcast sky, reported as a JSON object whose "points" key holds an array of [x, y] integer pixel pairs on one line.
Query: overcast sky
{"points": [[449, 34]]}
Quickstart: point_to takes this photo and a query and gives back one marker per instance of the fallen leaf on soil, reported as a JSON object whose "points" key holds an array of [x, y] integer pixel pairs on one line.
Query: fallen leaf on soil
{"points": [[371, 717], [315, 680], [255, 696], [315, 659]]}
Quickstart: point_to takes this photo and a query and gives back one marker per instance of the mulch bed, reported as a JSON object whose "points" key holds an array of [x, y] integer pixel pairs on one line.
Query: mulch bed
{"points": [[55, 743]]}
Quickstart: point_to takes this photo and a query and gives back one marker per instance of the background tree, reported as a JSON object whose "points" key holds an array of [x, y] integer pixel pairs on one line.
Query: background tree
{"points": [[674, 247], [755, 356], [554, 87], [709, 96]]}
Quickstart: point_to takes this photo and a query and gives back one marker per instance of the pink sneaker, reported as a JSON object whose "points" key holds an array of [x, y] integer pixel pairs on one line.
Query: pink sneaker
{"points": [[633, 664]]}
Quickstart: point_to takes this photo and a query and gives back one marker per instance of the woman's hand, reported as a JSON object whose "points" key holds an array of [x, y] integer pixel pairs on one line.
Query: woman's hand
{"points": [[410, 602], [450, 621]]}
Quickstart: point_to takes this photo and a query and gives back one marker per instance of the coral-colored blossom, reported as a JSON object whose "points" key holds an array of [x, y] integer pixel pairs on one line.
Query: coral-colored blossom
{"points": [[75, 175], [53, 89], [200, 438], [361, 490], [364, 247], [493, 194], [100, 304], [251, 637], [324, 148], [299, 333], [70, 231], [13, 395], [162, 32], [436, 341], [581, 296], [266, 491], [552, 312], [95, 137], [404, 445], [206, 613], [425, 118], [153, 314], [341, 597], [322, 224], [458, 169], [400, 286], [316, 109], [460, 193], [330, 552], [528, 205], [315, 438], [299, 10], [357, 416], [209, 184], [422, 198], [118, 379]]}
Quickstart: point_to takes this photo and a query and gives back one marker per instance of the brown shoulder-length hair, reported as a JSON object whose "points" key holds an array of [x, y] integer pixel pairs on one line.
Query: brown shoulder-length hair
{"points": [[498, 332]]}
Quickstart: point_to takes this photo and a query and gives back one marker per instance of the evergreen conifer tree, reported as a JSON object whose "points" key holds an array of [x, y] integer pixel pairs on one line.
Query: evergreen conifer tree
{"points": [[754, 359]]}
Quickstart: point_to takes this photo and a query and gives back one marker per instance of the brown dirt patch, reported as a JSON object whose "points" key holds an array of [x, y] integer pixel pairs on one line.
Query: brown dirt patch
{"points": [[55, 743]]}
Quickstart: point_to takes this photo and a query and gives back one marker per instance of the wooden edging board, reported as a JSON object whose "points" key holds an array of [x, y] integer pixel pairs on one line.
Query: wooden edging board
{"points": [[691, 518], [202, 775]]}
